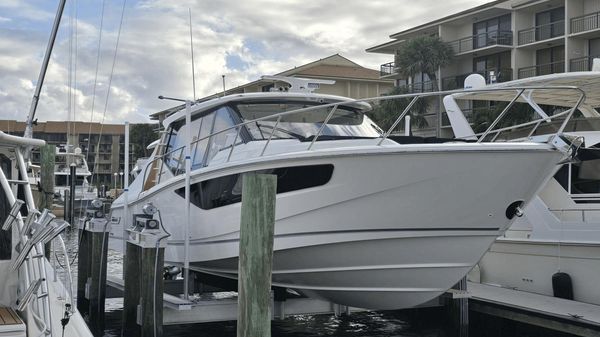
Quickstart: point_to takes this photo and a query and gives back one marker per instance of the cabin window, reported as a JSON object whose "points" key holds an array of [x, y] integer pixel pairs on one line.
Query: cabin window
{"points": [[204, 146], [227, 190], [346, 122], [63, 180], [582, 179]]}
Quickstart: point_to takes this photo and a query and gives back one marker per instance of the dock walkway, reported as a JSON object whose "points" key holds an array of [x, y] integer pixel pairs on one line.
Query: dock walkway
{"points": [[577, 318]]}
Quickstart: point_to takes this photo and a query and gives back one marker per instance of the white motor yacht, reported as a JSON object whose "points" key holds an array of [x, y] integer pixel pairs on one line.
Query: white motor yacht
{"points": [[362, 218], [559, 232], [84, 192], [33, 299]]}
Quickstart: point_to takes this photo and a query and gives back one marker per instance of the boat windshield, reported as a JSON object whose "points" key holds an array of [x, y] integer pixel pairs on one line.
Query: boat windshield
{"points": [[346, 122]]}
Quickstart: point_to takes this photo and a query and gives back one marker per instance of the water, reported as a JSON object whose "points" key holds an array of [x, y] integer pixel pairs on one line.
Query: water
{"points": [[405, 323]]}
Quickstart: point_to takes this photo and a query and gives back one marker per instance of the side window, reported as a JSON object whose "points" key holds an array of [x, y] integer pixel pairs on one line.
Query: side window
{"points": [[220, 141], [202, 127]]}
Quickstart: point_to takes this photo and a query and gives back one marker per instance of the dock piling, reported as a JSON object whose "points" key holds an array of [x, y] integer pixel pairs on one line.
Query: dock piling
{"points": [[144, 284], [256, 255]]}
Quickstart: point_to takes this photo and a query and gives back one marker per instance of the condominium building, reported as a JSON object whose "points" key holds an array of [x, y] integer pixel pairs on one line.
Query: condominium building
{"points": [[106, 154], [505, 40]]}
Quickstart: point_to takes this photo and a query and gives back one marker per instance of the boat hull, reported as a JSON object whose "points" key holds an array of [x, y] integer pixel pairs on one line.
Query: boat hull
{"points": [[388, 230]]}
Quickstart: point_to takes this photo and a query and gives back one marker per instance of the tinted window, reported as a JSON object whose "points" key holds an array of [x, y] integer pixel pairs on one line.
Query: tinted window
{"points": [[227, 190]]}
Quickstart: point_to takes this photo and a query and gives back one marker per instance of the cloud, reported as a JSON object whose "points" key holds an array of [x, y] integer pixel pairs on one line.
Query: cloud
{"points": [[240, 39]]}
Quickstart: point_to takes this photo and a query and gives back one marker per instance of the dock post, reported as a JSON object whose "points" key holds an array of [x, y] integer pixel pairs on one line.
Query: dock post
{"points": [[257, 225], [144, 284], [46, 186], [91, 268], [458, 311]]}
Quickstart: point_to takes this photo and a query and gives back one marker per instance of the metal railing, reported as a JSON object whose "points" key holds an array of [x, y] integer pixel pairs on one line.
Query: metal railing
{"points": [[585, 22], [541, 32], [456, 82], [387, 69], [427, 86], [582, 63], [177, 169], [482, 40], [542, 69]]}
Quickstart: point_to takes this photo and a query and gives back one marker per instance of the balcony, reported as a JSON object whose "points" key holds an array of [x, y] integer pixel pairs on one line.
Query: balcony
{"points": [[388, 69], [541, 32], [585, 23], [542, 69], [456, 82], [481, 41], [418, 87], [582, 63]]}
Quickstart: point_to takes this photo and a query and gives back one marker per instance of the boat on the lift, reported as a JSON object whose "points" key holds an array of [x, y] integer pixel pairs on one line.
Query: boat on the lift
{"points": [[559, 232], [363, 218], [84, 192]]}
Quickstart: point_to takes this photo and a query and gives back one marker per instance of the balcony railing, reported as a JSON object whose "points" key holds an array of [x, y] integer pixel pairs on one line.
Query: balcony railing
{"points": [[542, 69], [387, 69], [542, 32], [583, 63], [418, 87], [482, 40], [585, 22], [457, 82]]}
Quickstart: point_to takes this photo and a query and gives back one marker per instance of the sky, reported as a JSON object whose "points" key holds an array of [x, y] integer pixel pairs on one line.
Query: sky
{"points": [[241, 39]]}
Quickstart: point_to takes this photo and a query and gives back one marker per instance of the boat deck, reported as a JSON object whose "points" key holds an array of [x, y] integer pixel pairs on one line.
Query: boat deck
{"points": [[578, 318], [10, 323]]}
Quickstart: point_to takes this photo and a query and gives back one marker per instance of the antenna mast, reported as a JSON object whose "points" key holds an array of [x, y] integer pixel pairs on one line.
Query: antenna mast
{"points": [[192, 48], [40, 82]]}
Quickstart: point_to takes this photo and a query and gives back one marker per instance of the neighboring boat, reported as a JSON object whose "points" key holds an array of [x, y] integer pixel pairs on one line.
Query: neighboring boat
{"points": [[32, 301], [560, 229], [362, 218], [84, 192]]}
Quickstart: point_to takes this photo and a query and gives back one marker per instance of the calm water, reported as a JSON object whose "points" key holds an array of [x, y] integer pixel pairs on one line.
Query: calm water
{"points": [[423, 323]]}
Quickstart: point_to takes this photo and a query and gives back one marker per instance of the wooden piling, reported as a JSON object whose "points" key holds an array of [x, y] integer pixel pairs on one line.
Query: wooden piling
{"points": [[46, 185], [256, 255], [97, 281], [83, 271], [144, 286]]}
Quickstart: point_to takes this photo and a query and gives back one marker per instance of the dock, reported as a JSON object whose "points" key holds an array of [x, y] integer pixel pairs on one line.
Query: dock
{"points": [[573, 317]]}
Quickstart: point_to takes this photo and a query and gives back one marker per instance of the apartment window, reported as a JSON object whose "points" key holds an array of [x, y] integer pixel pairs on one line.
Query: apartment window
{"points": [[498, 63], [594, 46], [550, 24], [550, 60], [490, 32]]}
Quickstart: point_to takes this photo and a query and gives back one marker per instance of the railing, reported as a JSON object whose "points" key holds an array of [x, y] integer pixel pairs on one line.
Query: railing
{"points": [[542, 69], [482, 40], [427, 86], [379, 140], [387, 69], [585, 22], [457, 82], [542, 32], [583, 63]]}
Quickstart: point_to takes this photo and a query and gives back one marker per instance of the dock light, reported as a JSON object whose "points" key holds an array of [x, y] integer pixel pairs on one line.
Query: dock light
{"points": [[149, 209], [96, 203], [29, 295], [12, 215]]}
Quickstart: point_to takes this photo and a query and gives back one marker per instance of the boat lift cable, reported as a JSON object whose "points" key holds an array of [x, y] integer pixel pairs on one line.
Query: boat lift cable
{"points": [[95, 84]]}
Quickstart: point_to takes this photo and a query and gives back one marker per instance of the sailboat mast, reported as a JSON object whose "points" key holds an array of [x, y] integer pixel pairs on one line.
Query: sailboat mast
{"points": [[40, 82]]}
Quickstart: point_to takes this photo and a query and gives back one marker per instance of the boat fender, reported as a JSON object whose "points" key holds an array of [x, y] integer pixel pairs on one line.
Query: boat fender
{"points": [[514, 209], [562, 286]]}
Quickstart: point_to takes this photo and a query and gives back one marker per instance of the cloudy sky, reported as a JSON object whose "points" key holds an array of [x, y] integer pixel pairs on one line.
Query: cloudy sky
{"points": [[241, 39]]}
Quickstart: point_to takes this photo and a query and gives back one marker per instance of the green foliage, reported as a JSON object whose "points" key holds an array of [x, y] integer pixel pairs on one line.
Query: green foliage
{"points": [[140, 136], [425, 54], [519, 113], [386, 112]]}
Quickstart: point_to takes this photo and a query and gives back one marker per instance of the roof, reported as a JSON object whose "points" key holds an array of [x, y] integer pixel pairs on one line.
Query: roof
{"points": [[334, 67], [63, 127], [587, 81]]}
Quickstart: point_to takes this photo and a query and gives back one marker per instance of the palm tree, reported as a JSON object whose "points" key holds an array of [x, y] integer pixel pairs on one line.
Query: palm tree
{"points": [[425, 54], [385, 113]]}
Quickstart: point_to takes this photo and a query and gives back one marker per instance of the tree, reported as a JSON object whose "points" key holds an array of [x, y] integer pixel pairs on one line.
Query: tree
{"points": [[385, 113], [142, 135], [425, 54]]}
